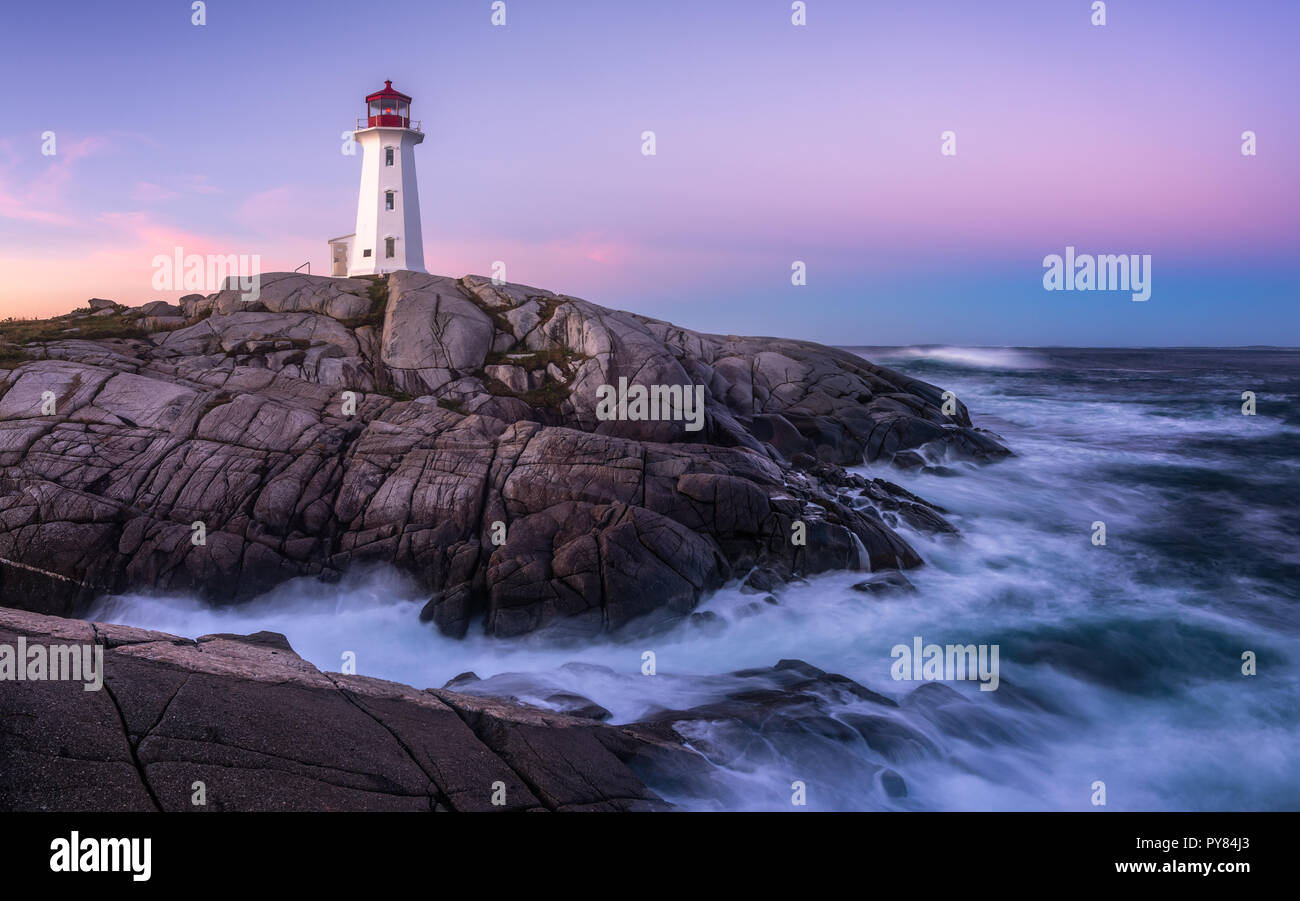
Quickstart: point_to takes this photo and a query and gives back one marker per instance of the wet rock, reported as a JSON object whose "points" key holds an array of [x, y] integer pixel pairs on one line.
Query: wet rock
{"points": [[886, 583], [572, 704], [465, 678], [893, 784], [908, 460], [890, 737]]}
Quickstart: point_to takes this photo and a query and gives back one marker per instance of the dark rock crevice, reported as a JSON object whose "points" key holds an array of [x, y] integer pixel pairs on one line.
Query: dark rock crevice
{"points": [[235, 419], [436, 796]]}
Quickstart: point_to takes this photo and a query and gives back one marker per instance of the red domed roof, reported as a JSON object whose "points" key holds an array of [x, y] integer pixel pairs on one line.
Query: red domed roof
{"points": [[387, 92]]}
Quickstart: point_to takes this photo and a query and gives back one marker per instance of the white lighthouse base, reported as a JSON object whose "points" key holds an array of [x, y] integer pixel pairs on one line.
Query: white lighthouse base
{"points": [[388, 236]]}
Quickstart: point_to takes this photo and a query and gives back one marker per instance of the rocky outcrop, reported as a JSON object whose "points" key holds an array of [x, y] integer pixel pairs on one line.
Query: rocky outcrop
{"points": [[241, 722], [761, 728], [452, 428]]}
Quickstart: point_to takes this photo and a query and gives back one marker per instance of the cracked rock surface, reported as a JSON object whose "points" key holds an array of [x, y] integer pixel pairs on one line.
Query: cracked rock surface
{"points": [[263, 729], [475, 405]]}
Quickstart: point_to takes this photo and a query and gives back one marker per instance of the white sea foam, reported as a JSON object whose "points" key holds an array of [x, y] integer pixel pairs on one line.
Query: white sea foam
{"points": [[1132, 649], [973, 357]]}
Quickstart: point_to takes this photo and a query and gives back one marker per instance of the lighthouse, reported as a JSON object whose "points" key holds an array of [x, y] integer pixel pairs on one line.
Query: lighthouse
{"points": [[387, 236]]}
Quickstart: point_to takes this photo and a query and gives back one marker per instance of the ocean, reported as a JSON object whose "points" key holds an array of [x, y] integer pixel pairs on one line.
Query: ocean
{"points": [[1121, 665]]}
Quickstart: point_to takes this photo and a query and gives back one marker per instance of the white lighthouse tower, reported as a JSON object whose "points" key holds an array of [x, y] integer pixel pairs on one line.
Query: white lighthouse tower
{"points": [[387, 237]]}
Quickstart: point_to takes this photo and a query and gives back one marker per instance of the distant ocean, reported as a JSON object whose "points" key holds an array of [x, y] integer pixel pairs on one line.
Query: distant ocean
{"points": [[1120, 664]]}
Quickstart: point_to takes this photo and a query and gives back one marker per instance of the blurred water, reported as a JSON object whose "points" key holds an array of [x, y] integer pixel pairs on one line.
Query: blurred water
{"points": [[1119, 663]]}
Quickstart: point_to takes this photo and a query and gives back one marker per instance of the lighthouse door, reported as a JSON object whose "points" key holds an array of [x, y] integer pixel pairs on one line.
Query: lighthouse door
{"points": [[339, 252]]}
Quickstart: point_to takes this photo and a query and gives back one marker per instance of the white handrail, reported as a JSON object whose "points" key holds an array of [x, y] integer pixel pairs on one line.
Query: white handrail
{"points": [[412, 124]]}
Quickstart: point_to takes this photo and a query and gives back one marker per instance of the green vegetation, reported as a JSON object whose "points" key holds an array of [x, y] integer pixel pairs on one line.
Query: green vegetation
{"points": [[378, 308], [395, 394], [534, 360], [90, 328], [548, 307], [11, 356], [548, 397], [498, 317], [378, 291]]}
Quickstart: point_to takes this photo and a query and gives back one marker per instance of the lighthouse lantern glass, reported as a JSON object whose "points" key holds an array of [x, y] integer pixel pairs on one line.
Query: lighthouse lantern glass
{"points": [[389, 111]]}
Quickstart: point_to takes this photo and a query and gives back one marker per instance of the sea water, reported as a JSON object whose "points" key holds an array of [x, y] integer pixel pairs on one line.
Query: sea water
{"points": [[1120, 664]]}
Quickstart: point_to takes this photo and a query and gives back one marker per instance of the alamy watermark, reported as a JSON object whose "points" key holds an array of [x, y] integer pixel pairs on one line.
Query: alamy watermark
{"points": [[1102, 272], [954, 662], [210, 273], [53, 663], [75, 854], [639, 403]]}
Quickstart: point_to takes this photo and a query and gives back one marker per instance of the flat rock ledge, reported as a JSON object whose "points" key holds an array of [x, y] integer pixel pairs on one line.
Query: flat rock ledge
{"points": [[451, 428], [262, 729]]}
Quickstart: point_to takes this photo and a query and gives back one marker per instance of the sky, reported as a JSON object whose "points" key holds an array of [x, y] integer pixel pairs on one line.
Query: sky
{"points": [[774, 143]]}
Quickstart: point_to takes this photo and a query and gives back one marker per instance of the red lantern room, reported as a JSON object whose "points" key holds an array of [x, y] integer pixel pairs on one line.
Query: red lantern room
{"points": [[388, 108]]}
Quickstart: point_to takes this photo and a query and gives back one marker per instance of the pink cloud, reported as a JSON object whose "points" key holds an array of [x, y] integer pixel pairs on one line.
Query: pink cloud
{"points": [[44, 195]]}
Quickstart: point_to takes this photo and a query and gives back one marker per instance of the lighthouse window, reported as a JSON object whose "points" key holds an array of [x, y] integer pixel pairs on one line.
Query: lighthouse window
{"points": [[388, 156], [390, 246], [388, 200]]}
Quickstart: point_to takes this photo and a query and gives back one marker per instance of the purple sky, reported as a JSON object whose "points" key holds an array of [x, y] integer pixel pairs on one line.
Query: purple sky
{"points": [[775, 143]]}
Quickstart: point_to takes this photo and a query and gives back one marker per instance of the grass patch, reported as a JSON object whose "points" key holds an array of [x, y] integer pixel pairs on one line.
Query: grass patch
{"points": [[89, 328], [498, 316], [548, 397], [546, 310], [538, 359], [12, 357], [548, 306], [497, 387], [389, 391], [378, 291]]}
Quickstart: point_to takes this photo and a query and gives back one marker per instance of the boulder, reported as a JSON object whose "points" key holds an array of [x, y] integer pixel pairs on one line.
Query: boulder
{"points": [[158, 308], [452, 428]]}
